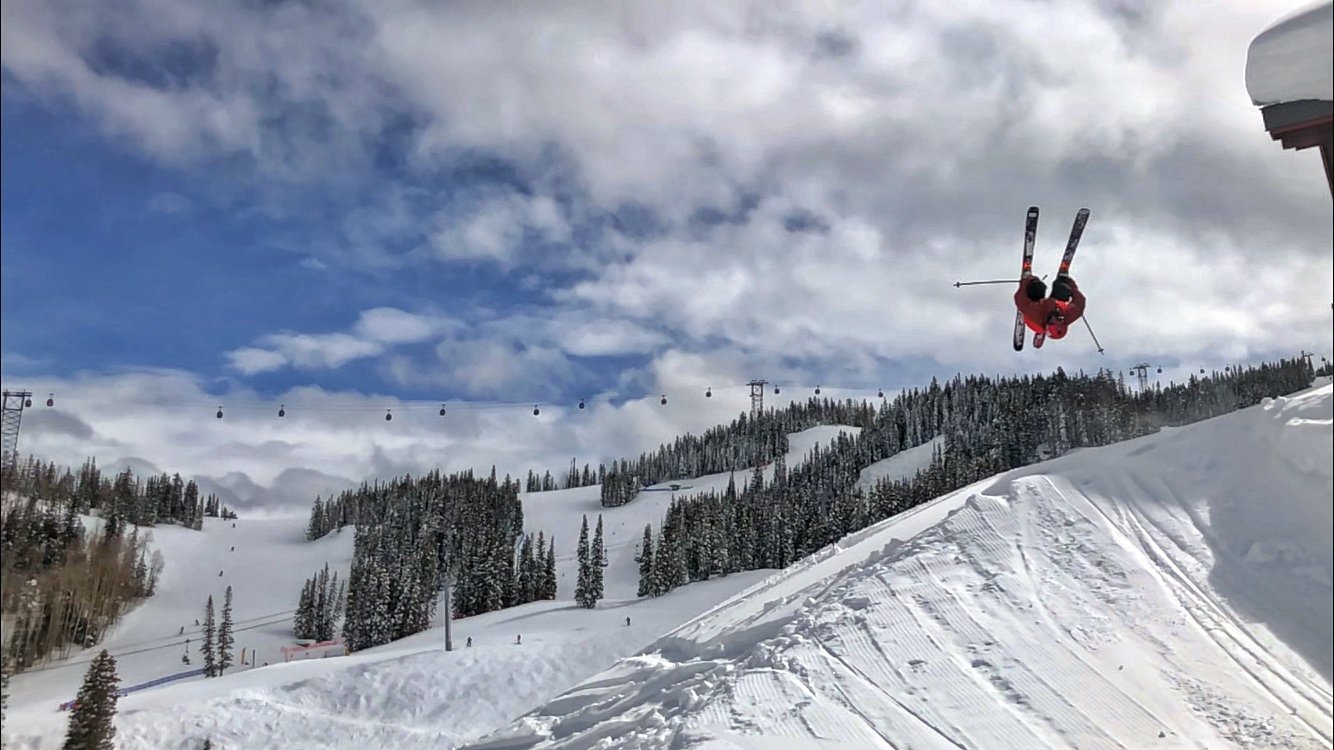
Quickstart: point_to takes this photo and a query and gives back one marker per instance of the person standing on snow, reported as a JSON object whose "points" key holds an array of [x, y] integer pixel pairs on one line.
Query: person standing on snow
{"points": [[1052, 314]]}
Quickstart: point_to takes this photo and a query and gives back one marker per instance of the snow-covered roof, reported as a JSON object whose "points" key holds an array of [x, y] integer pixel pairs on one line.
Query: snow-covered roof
{"points": [[1293, 59]]}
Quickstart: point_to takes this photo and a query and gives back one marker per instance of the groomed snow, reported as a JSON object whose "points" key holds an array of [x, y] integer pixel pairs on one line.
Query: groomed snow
{"points": [[1171, 591], [1293, 59]]}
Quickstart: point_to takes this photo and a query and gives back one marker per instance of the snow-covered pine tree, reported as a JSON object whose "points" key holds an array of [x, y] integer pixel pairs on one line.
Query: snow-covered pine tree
{"points": [[91, 725], [423, 596], [315, 526], [698, 540], [333, 607], [303, 620], [658, 575], [719, 543], [193, 511], [540, 566], [596, 563], [354, 632], [321, 621], [178, 509], [4, 686], [401, 605], [319, 602], [526, 579], [141, 577], [207, 645], [677, 568], [225, 639], [645, 560], [549, 571], [470, 585], [500, 577], [381, 620], [583, 586], [336, 611], [494, 566]]}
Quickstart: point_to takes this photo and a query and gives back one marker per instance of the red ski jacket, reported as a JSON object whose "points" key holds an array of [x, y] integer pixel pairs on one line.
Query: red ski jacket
{"points": [[1036, 314]]}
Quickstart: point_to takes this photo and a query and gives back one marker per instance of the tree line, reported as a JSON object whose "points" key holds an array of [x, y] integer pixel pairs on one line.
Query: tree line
{"points": [[574, 477], [120, 499], [745, 441], [988, 426], [63, 585], [415, 533]]}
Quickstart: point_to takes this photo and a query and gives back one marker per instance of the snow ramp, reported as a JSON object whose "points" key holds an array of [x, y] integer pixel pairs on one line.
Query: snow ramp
{"points": [[1167, 592]]}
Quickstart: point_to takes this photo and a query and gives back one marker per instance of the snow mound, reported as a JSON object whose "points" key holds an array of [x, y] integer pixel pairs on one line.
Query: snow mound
{"points": [[1293, 59], [1301, 432], [1169, 591]]}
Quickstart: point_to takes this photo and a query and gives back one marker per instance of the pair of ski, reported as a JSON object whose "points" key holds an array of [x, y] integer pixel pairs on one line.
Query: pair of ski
{"points": [[1030, 235]]}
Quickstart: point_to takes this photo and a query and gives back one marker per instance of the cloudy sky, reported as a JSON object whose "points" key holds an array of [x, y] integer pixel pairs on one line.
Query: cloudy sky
{"points": [[348, 208]]}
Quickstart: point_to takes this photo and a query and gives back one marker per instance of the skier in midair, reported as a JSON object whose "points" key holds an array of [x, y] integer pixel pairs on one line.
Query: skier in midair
{"points": [[1052, 314]]}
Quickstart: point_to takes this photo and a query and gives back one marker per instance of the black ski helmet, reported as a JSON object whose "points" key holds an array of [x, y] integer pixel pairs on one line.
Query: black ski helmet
{"points": [[1037, 289]]}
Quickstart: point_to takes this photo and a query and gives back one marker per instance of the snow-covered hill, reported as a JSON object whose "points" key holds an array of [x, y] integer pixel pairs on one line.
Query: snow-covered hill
{"points": [[1171, 591], [405, 694]]}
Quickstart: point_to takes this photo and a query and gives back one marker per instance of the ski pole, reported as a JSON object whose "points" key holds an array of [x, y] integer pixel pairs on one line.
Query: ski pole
{"points": [[990, 281], [1091, 333]]}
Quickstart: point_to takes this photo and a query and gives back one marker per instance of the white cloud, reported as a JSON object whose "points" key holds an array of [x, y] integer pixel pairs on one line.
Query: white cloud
{"points": [[497, 229], [389, 325], [265, 79], [583, 335], [250, 360], [324, 350], [510, 358], [375, 332], [15, 361], [302, 351], [46, 49]]}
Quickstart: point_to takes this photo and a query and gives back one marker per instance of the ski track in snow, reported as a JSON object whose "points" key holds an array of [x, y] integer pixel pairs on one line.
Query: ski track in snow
{"points": [[1167, 592]]}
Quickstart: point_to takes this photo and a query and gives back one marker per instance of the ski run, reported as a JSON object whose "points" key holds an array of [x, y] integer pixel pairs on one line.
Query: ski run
{"points": [[1172, 591]]}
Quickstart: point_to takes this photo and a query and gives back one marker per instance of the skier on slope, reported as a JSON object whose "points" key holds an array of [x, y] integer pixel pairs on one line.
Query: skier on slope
{"points": [[1052, 314]]}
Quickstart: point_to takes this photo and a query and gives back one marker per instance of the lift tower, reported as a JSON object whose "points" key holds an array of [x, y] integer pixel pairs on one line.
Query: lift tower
{"points": [[757, 397], [10, 420]]}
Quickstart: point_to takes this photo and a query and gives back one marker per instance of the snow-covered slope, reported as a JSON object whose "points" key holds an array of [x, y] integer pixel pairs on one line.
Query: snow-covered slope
{"points": [[1171, 591], [405, 694], [265, 563], [901, 465]]}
